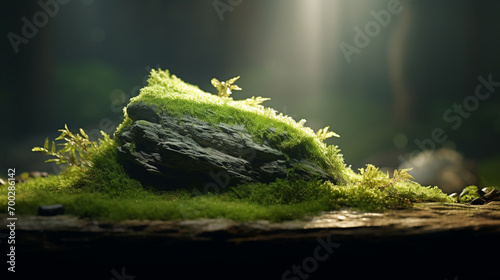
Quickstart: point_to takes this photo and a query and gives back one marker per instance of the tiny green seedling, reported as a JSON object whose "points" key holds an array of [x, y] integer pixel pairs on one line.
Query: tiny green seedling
{"points": [[224, 91], [224, 88]]}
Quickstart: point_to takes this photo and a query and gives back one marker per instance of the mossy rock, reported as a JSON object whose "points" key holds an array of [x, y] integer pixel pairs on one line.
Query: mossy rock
{"points": [[177, 136], [280, 169]]}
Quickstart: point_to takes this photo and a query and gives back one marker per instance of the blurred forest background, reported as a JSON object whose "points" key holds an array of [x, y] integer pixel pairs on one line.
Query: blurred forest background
{"points": [[89, 57]]}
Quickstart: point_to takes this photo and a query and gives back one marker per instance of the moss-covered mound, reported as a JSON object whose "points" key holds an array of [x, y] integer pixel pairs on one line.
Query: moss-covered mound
{"points": [[98, 185], [183, 136]]}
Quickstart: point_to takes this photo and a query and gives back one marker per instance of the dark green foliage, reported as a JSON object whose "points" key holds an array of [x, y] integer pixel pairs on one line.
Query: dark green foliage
{"points": [[281, 192]]}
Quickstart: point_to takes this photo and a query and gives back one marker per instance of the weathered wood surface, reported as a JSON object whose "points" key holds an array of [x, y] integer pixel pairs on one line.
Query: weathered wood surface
{"points": [[424, 218], [431, 241]]}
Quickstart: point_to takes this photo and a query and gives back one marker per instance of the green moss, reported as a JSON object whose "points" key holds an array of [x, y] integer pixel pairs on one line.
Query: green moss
{"points": [[132, 147], [108, 193], [468, 194], [126, 122], [104, 190]]}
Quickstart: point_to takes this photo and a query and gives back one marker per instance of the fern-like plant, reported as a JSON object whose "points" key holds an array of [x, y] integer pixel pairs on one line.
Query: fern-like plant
{"points": [[255, 101], [372, 177], [76, 150], [324, 133]]}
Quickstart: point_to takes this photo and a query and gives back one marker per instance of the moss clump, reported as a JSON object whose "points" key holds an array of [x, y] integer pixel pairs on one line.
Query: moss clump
{"points": [[469, 194], [102, 188]]}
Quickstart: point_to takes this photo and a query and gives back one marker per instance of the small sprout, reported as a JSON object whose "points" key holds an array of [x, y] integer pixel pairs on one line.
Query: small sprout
{"points": [[255, 101], [324, 133], [224, 88]]}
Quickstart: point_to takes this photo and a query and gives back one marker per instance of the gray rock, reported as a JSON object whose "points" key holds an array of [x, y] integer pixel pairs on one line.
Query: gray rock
{"points": [[170, 152], [142, 112]]}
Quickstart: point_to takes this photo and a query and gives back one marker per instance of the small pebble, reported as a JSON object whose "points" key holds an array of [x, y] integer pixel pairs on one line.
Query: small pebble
{"points": [[477, 201], [36, 174], [494, 194], [28, 175], [51, 210], [464, 191]]}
